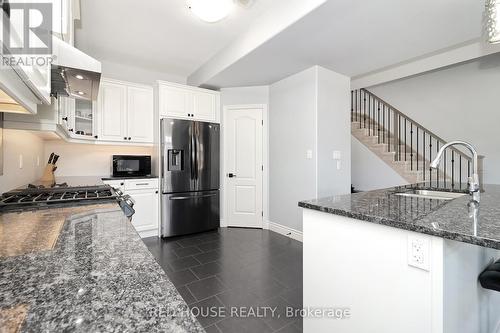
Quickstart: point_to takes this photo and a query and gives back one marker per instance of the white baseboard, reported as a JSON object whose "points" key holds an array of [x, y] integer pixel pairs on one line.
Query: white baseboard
{"points": [[148, 233], [222, 223], [284, 230]]}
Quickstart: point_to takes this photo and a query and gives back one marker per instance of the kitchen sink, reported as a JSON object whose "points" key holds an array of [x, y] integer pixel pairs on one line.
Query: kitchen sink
{"points": [[437, 195]]}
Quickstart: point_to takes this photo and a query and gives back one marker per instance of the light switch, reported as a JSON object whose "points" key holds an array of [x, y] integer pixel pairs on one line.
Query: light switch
{"points": [[309, 154], [339, 165], [38, 161], [337, 155], [20, 161]]}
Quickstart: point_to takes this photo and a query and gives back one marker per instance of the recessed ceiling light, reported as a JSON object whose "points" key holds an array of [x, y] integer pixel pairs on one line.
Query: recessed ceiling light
{"points": [[211, 10], [79, 77]]}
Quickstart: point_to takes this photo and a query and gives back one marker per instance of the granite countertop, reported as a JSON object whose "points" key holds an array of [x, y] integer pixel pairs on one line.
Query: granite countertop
{"points": [[453, 219], [83, 269]]}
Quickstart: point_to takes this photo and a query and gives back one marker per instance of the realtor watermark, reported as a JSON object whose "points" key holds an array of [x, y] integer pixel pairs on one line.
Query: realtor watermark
{"points": [[340, 313], [27, 34]]}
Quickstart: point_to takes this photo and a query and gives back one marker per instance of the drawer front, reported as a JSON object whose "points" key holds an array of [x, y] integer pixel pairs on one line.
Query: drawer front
{"points": [[139, 184]]}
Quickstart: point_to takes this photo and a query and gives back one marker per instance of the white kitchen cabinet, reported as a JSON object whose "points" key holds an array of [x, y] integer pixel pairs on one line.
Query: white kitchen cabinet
{"points": [[144, 192], [112, 112], [140, 114], [125, 112], [185, 102], [145, 219], [174, 102]]}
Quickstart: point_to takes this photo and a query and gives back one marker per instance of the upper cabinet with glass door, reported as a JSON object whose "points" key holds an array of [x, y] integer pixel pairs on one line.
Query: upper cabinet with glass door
{"points": [[77, 117]]}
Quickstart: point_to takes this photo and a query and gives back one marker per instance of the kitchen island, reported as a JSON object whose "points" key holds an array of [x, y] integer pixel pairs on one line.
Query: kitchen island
{"points": [[397, 263], [83, 269]]}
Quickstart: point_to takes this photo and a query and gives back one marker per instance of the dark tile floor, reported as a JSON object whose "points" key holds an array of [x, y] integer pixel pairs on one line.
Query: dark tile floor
{"points": [[236, 268]]}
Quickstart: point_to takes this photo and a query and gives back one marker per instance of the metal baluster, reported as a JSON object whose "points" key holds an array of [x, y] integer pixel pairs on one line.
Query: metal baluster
{"points": [[468, 169], [444, 157], [383, 122], [360, 103], [417, 148], [437, 170], [352, 105], [356, 106], [378, 122], [452, 169], [430, 158], [370, 101], [364, 109], [389, 128], [411, 145], [423, 150], [405, 140], [460, 171]]}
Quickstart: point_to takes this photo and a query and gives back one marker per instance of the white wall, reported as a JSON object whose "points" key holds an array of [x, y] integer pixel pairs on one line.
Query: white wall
{"points": [[458, 102], [16, 143], [86, 159], [369, 172], [245, 95], [334, 133], [292, 131], [308, 111], [136, 74]]}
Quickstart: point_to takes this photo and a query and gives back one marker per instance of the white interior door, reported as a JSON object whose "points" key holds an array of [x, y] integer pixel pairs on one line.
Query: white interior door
{"points": [[243, 166]]}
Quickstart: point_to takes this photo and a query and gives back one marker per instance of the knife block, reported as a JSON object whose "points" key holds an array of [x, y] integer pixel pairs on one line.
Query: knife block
{"points": [[48, 174]]}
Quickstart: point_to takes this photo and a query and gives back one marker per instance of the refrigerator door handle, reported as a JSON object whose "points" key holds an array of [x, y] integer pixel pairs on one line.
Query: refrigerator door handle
{"points": [[196, 143], [192, 156], [193, 197]]}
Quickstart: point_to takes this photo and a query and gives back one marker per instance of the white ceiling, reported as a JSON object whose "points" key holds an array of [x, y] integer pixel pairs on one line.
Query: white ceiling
{"points": [[356, 37], [159, 35]]}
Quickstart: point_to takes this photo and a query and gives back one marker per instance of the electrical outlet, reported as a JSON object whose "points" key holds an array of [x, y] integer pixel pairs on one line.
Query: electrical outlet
{"points": [[419, 252], [337, 155]]}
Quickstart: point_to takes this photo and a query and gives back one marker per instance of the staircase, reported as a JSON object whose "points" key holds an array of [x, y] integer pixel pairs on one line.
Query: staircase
{"points": [[405, 145]]}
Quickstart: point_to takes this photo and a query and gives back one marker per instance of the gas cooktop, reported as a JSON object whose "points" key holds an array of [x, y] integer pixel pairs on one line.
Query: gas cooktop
{"points": [[36, 197]]}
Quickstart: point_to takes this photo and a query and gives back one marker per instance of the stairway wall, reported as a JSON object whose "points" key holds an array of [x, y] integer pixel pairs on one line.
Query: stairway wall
{"points": [[369, 172], [457, 102]]}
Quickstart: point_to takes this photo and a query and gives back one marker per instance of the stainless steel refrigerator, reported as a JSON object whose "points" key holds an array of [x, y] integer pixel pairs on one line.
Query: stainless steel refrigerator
{"points": [[190, 176]]}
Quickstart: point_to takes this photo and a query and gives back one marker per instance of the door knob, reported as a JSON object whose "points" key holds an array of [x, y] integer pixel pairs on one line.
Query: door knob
{"points": [[231, 175]]}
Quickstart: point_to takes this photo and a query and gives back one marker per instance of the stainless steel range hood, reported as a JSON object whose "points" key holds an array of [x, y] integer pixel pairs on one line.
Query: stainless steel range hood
{"points": [[74, 73]]}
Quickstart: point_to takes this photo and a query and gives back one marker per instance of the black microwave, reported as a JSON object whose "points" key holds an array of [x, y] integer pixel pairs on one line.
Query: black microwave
{"points": [[131, 165]]}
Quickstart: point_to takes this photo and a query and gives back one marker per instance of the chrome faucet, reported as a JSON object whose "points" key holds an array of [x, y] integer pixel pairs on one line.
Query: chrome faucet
{"points": [[474, 188]]}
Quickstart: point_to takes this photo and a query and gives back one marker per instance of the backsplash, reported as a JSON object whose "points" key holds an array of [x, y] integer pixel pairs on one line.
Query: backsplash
{"points": [[23, 159], [88, 159]]}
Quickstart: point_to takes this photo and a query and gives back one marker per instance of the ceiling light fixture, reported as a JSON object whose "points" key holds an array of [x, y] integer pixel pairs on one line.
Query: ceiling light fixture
{"points": [[211, 10], [81, 93], [493, 21], [79, 77]]}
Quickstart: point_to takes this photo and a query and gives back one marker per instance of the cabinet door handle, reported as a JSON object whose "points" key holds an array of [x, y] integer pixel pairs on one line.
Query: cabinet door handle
{"points": [[142, 184], [129, 138], [125, 138], [65, 118], [95, 136]]}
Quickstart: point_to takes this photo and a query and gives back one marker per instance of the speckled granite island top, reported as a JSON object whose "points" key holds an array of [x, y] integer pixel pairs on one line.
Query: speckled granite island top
{"points": [[452, 219], [91, 273]]}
